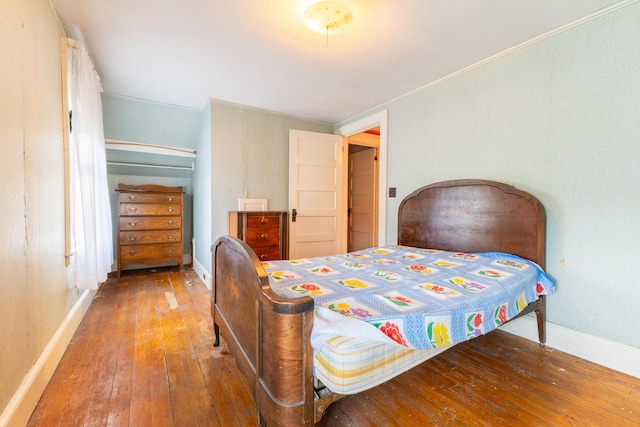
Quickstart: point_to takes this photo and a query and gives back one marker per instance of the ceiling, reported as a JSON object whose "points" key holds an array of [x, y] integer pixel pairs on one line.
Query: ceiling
{"points": [[259, 53]]}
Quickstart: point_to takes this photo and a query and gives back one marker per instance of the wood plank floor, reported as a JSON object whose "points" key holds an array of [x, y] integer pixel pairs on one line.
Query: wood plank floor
{"points": [[143, 356]]}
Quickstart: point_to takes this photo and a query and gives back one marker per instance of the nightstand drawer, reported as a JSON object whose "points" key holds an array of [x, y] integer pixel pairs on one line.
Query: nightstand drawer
{"points": [[267, 254], [262, 221], [149, 237], [263, 235]]}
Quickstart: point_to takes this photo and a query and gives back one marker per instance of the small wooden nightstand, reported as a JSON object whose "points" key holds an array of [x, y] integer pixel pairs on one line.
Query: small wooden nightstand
{"points": [[264, 231]]}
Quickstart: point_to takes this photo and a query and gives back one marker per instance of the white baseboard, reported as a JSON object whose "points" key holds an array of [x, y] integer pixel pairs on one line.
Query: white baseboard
{"points": [[620, 357], [202, 272], [24, 401]]}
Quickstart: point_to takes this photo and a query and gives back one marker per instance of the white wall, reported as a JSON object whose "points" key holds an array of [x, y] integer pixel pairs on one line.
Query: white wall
{"points": [[34, 299], [559, 118]]}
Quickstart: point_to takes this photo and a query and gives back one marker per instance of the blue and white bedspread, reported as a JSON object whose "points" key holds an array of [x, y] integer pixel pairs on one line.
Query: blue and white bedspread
{"points": [[419, 298]]}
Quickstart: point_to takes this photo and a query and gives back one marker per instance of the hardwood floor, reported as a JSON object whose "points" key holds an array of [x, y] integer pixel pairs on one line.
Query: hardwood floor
{"points": [[143, 356]]}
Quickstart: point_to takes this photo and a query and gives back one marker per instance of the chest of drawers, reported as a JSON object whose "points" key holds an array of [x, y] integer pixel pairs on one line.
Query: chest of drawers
{"points": [[150, 225], [265, 232]]}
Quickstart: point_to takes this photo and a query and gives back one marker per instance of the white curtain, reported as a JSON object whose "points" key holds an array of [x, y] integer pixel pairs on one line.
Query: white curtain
{"points": [[91, 230]]}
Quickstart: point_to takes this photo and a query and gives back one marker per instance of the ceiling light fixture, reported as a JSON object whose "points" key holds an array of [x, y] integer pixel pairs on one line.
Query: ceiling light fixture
{"points": [[327, 17]]}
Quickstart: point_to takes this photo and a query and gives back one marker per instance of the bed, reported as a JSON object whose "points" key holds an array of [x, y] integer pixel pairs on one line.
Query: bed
{"points": [[269, 335]]}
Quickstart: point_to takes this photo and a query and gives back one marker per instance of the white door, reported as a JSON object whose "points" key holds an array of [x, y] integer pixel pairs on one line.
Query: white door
{"points": [[362, 200], [315, 198]]}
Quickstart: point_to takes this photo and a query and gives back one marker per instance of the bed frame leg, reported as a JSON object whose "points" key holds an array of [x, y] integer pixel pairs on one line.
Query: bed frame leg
{"points": [[541, 314], [216, 331]]}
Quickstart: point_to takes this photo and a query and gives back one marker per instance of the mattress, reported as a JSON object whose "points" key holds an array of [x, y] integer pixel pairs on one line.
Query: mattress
{"points": [[419, 298], [348, 365]]}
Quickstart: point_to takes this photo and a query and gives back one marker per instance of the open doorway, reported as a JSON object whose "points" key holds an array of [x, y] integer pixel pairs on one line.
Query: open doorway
{"points": [[362, 189], [374, 126]]}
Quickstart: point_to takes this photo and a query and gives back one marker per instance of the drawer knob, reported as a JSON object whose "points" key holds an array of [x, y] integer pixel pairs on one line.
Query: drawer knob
{"points": [[132, 238], [264, 236], [170, 198], [170, 222], [133, 252], [170, 209], [263, 257], [169, 250], [170, 236], [263, 220], [132, 197], [132, 223], [133, 209]]}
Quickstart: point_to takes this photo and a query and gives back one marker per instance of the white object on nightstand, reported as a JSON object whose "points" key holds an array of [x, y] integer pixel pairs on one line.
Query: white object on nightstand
{"points": [[253, 204]]}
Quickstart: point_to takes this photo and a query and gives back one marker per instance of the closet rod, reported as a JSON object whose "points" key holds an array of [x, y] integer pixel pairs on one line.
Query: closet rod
{"points": [[148, 165]]}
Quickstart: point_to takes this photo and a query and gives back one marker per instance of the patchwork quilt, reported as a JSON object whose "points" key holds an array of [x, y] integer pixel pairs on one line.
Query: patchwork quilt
{"points": [[417, 298]]}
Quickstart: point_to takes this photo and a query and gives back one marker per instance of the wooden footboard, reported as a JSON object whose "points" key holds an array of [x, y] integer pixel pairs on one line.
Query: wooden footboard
{"points": [[269, 336]]}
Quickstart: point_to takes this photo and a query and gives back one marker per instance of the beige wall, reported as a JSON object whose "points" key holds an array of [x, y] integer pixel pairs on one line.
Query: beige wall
{"points": [[34, 298]]}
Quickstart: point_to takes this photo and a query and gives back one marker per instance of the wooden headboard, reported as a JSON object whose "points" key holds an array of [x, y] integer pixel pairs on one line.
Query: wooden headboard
{"points": [[474, 216]]}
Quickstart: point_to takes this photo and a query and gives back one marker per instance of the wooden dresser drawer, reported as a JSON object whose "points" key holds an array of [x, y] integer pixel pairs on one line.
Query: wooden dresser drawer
{"points": [[149, 198], [142, 209], [143, 252], [149, 237], [150, 223]]}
